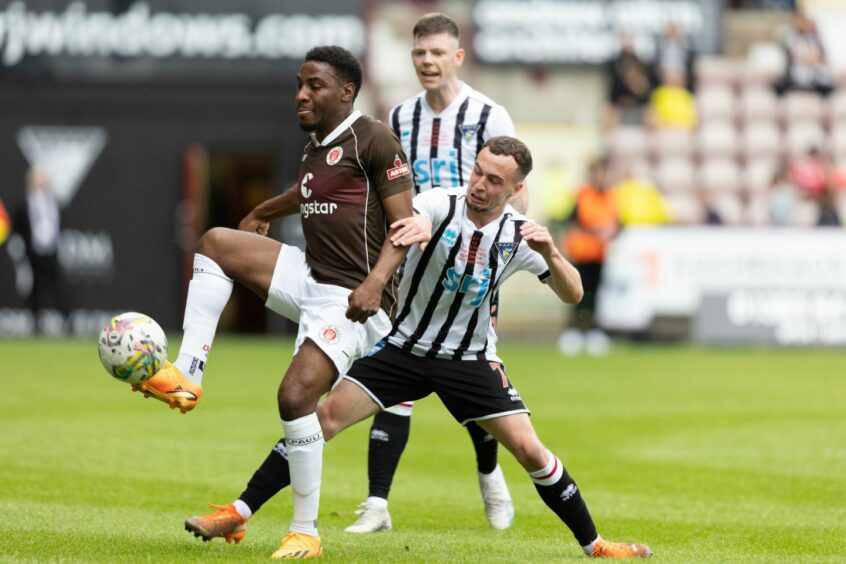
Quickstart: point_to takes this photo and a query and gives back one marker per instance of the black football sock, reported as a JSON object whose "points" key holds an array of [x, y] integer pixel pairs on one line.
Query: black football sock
{"points": [[485, 446], [558, 490], [269, 479], [388, 437]]}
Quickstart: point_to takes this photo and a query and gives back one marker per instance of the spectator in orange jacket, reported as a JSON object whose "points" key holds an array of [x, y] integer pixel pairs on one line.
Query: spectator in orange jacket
{"points": [[594, 222]]}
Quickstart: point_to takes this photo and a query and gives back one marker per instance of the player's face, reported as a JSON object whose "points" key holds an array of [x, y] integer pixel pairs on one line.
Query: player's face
{"points": [[323, 100], [492, 182], [436, 59]]}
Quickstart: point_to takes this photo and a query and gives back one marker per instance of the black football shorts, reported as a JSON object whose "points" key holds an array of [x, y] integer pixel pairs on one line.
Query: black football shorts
{"points": [[471, 390]]}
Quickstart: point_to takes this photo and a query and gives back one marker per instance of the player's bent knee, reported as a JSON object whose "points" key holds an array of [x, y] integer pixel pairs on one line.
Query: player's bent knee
{"points": [[328, 422], [211, 243], [530, 453]]}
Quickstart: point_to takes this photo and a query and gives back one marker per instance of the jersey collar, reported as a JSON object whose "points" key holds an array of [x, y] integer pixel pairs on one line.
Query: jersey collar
{"points": [[337, 131], [459, 98]]}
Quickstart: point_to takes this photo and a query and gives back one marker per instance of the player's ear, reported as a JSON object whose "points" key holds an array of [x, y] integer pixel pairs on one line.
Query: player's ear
{"points": [[459, 57], [348, 92]]}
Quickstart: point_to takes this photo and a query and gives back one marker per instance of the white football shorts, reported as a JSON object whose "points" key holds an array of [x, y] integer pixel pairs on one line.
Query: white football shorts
{"points": [[320, 310]]}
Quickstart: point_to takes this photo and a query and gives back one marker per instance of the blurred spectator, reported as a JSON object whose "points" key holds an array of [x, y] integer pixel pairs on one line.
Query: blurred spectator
{"points": [[806, 61], [782, 201], [710, 215], [812, 173], [672, 104], [675, 57], [39, 223], [640, 202], [630, 84], [5, 223], [594, 222], [828, 214]]}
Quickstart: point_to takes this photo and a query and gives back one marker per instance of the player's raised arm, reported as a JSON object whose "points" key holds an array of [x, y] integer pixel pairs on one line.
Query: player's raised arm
{"points": [[365, 300], [259, 218], [564, 280]]}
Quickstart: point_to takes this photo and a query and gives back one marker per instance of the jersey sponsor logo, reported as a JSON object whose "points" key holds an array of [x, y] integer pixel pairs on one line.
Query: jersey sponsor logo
{"points": [[317, 208], [330, 334], [334, 155], [449, 237], [505, 251], [457, 281], [400, 169], [469, 131], [305, 190], [437, 172]]}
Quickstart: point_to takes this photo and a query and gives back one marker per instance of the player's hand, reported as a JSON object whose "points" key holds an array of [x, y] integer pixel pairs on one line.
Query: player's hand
{"points": [[365, 301], [411, 230], [254, 225], [538, 238]]}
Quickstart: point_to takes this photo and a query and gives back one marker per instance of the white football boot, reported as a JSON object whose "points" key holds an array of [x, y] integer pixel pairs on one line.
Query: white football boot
{"points": [[372, 517], [499, 508]]}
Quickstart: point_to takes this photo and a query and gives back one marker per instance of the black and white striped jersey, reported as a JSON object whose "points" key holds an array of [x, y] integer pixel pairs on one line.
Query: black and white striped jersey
{"points": [[441, 148], [445, 292]]}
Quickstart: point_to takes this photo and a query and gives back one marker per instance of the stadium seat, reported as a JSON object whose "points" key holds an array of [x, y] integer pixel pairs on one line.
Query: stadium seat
{"points": [[761, 139], [836, 107], [765, 63], [671, 142], [722, 71], [731, 209], [720, 174], [802, 106], [758, 103], [801, 136], [685, 208], [675, 175], [717, 139], [627, 142], [715, 103], [757, 175], [837, 141]]}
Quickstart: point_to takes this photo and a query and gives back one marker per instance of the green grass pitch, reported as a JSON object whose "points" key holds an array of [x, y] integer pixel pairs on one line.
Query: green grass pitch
{"points": [[708, 456]]}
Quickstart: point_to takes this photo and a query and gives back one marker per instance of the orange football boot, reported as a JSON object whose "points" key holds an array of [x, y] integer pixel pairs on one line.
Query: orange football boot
{"points": [[607, 549], [170, 386], [226, 522]]}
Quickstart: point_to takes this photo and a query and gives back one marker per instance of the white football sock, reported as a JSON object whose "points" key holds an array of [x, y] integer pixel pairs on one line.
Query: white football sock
{"points": [[304, 441], [243, 509], [208, 292]]}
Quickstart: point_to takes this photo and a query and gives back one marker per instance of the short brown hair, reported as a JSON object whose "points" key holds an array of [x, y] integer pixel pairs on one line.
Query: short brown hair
{"points": [[433, 23], [504, 145]]}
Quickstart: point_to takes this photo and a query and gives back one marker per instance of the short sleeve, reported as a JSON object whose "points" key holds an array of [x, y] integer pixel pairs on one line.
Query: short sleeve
{"points": [[499, 123], [433, 204], [386, 164]]}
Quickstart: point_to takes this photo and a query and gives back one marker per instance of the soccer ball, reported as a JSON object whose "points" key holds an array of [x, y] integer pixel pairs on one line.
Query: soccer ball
{"points": [[132, 347]]}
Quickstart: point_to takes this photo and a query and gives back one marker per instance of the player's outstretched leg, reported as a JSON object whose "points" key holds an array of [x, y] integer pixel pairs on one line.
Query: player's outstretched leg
{"points": [[388, 437], [180, 384], [556, 487], [499, 509]]}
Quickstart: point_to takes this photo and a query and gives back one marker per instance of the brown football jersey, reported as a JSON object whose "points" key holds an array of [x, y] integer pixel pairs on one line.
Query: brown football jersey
{"points": [[343, 180]]}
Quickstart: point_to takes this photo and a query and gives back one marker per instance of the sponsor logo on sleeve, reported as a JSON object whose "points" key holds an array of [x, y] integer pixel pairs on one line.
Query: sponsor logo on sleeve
{"points": [[334, 155], [400, 169]]}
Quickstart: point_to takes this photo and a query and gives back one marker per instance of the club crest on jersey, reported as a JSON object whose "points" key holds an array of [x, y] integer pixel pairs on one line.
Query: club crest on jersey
{"points": [[469, 131], [330, 334], [505, 251], [400, 169], [334, 155]]}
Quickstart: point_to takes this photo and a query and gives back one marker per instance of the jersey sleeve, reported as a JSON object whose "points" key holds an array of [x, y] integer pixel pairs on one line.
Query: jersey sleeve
{"points": [[386, 164], [499, 123], [433, 204], [532, 261]]}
